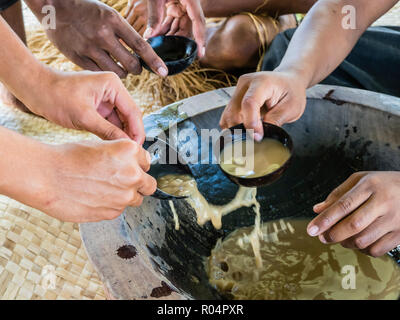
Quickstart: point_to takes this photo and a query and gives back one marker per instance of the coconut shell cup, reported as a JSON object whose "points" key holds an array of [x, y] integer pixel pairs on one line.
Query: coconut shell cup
{"points": [[177, 52], [270, 131]]}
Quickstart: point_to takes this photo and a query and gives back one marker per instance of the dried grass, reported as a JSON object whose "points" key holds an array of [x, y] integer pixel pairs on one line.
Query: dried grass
{"points": [[149, 90]]}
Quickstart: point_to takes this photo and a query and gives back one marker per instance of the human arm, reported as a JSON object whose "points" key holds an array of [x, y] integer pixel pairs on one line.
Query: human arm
{"points": [[274, 8], [77, 182], [74, 100], [181, 17], [318, 46], [88, 32], [362, 213]]}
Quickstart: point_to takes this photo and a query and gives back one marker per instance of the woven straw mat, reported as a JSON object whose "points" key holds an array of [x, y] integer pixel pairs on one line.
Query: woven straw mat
{"points": [[34, 246]]}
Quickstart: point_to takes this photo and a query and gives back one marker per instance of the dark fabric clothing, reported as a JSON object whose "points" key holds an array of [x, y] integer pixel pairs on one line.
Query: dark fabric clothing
{"points": [[373, 64], [5, 4]]}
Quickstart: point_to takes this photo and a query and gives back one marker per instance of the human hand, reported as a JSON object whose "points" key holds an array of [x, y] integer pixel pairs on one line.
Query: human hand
{"points": [[362, 213], [177, 17], [88, 33], [274, 97], [94, 181], [94, 101], [136, 15]]}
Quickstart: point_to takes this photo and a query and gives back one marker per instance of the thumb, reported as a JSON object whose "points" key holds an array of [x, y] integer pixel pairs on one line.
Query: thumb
{"points": [[103, 128], [196, 14], [156, 11]]}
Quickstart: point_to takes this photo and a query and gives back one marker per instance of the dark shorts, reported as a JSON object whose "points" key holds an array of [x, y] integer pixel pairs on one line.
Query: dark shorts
{"points": [[373, 64], [5, 4]]}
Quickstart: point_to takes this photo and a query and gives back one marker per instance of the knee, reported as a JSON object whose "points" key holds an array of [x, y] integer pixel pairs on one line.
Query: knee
{"points": [[231, 46]]}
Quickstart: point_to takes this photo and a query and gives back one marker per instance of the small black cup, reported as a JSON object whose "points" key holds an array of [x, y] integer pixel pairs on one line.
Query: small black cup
{"points": [[270, 131], [177, 52], [172, 164]]}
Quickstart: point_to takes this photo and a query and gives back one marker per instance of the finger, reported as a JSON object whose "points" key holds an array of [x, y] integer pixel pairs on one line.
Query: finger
{"points": [[142, 48], [231, 115], [156, 12], [142, 157], [195, 13], [148, 185], [141, 31], [349, 202], [388, 242], [137, 200], [130, 113], [102, 128], [338, 192], [252, 103], [174, 27], [85, 63], [166, 26], [138, 25], [129, 8], [355, 223], [280, 114], [184, 29], [106, 63], [132, 19], [182, 33], [128, 60], [369, 235], [115, 120]]}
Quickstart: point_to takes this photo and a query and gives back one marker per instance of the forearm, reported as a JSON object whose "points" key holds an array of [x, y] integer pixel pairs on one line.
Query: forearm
{"points": [[64, 6], [20, 161], [321, 43], [36, 6], [224, 8], [22, 74]]}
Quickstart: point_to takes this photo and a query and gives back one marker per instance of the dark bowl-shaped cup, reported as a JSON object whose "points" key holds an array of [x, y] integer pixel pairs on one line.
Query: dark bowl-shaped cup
{"points": [[177, 52], [270, 131], [165, 160]]}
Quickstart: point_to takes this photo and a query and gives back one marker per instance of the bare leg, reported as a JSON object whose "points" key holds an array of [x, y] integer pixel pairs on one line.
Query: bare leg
{"points": [[13, 16], [236, 44]]}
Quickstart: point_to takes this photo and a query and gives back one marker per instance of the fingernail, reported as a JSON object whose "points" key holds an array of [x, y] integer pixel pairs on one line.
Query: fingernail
{"points": [[203, 51], [318, 205], [322, 239], [147, 33], [258, 136], [162, 71], [313, 231]]}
